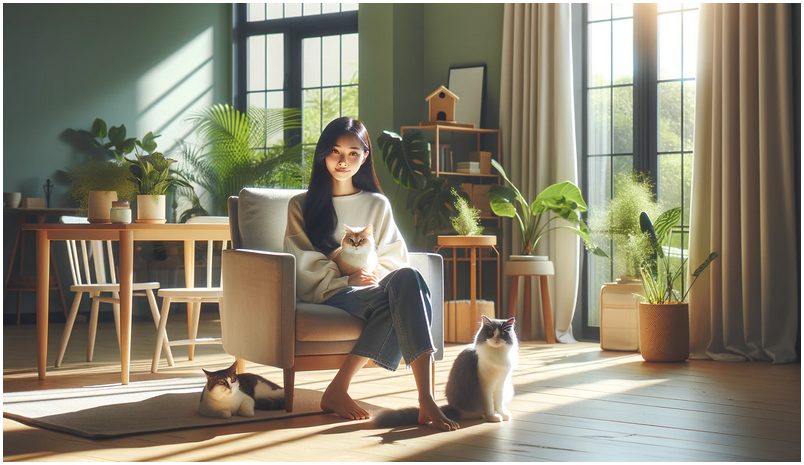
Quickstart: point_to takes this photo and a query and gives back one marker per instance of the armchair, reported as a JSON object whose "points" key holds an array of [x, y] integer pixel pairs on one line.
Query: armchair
{"points": [[262, 322]]}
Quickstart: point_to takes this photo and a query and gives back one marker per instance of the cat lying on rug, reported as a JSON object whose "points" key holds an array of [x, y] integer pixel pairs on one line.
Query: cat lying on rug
{"points": [[479, 383], [358, 251], [228, 393]]}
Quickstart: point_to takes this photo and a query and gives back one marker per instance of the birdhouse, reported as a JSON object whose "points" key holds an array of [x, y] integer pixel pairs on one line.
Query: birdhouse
{"points": [[442, 105]]}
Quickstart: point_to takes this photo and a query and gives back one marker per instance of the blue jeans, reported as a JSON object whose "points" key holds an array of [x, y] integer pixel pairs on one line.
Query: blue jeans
{"points": [[398, 316]]}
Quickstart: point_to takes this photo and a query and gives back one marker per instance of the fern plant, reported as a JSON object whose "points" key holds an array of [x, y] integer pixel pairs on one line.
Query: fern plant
{"points": [[466, 221], [659, 274], [238, 150]]}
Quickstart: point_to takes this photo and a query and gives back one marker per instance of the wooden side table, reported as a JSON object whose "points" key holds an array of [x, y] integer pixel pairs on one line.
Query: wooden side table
{"points": [[527, 267], [473, 244], [18, 282]]}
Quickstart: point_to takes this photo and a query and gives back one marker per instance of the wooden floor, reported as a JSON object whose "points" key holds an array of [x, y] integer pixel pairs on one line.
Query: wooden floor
{"points": [[573, 402]]}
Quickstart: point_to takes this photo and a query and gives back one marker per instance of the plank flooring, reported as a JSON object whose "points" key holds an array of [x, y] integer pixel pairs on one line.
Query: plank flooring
{"points": [[573, 402]]}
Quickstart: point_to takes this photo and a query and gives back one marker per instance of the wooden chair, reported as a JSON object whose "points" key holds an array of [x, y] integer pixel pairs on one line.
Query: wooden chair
{"points": [[194, 296], [103, 289]]}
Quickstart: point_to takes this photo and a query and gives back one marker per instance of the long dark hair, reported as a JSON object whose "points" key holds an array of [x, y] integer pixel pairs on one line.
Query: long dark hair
{"points": [[319, 213]]}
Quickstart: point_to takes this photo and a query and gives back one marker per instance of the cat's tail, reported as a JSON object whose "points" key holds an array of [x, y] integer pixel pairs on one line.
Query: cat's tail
{"points": [[408, 416]]}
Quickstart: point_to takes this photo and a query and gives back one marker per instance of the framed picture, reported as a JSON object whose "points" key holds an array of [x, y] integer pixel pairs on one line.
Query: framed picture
{"points": [[469, 84]]}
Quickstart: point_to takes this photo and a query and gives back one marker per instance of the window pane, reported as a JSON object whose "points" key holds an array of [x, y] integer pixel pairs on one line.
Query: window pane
{"points": [[256, 99], [599, 182], [311, 115], [599, 54], [599, 273], [255, 12], [292, 9], [274, 11], [669, 44], [596, 11], [689, 114], [276, 61], [623, 114], [599, 123], [668, 186], [310, 9], [350, 53], [669, 96], [621, 165], [331, 105], [331, 57], [623, 59], [622, 10], [329, 8], [276, 99], [668, 6], [349, 101], [256, 63], [690, 43], [311, 62], [687, 188]]}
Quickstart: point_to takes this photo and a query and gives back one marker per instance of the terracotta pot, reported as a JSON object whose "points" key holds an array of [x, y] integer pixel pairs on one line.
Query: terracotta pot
{"points": [[99, 204], [664, 332], [151, 209]]}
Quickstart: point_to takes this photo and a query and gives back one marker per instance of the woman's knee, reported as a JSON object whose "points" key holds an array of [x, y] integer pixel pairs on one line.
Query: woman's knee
{"points": [[408, 277]]}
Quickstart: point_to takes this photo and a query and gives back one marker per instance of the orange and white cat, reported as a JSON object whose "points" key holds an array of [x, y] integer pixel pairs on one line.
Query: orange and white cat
{"points": [[358, 250]]}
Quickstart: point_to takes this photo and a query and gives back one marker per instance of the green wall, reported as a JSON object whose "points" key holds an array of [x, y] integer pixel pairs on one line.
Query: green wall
{"points": [[145, 66], [406, 51]]}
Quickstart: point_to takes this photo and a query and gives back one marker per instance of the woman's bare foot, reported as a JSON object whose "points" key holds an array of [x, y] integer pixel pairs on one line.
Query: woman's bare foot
{"points": [[429, 413], [338, 401]]}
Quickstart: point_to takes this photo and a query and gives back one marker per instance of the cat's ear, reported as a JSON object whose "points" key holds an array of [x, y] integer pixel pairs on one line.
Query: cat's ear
{"points": [[208, 373], [233, 368], [348, 229], [369, 230], [510, 321], [486, 320]]}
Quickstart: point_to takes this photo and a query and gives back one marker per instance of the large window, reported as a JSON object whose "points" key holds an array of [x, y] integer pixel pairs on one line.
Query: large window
{"points": [[298, 56], [639, 85]]}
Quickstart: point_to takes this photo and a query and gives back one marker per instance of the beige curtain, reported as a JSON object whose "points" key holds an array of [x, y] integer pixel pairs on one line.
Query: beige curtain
{"points": [[743, 199], [538, 134]]}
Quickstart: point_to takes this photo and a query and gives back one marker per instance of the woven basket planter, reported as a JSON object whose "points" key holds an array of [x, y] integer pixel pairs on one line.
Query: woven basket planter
{"points": [[664, 332]]}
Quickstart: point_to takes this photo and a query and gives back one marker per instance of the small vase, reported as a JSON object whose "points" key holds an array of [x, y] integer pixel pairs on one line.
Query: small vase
{"points": [[151, 209], [664, 332], [99, 204]]}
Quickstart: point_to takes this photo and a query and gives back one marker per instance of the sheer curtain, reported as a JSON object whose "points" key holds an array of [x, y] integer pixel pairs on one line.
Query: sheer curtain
{"points": [[746, 306], [538, 132]]}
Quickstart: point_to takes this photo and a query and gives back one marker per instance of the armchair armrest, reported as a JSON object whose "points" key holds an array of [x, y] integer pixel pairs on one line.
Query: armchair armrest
{"points": [[258, 308], [431, 266]]}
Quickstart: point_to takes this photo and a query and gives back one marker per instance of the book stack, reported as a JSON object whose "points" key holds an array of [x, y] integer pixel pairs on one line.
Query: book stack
{"points": [[468, 167]]}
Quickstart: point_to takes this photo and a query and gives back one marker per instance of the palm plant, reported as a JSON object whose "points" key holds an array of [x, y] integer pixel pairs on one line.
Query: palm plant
{"points": [[239, 150]]}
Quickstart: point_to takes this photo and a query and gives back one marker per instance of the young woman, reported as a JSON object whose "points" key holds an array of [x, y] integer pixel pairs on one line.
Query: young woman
{"points": [[394, 300]]}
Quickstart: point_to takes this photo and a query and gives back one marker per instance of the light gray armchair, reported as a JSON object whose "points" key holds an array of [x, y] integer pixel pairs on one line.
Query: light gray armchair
{"points": [[262, 322]]}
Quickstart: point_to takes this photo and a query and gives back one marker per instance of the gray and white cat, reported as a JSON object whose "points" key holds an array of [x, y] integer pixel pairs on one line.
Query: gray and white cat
{"points": [[358, 250], [479, 383], [228, 393]]}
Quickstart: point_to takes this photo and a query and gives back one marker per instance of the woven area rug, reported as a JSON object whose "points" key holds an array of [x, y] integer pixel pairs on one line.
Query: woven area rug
{"points": [[140, 407]]}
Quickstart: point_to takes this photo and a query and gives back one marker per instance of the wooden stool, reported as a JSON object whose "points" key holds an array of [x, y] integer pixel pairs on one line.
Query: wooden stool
{"points": [[526, 268]]}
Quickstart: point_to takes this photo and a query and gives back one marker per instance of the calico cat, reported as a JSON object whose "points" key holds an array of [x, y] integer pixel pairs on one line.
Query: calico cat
{"points": [[358, 250], [228, 393], [479, 383]]}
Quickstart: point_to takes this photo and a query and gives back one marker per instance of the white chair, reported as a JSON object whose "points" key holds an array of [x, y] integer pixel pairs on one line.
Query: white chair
{"points": [[194, 296], [102, 290]]}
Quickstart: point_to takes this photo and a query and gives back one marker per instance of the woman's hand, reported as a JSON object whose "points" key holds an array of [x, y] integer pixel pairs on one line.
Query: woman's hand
{"points": [[362, 278]]}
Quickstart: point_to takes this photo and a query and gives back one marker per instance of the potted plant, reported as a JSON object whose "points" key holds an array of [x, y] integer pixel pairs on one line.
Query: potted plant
{"points": [[153, 177], [619, 222], [237, 150], [466, 221], [559, 201], [103, 178], [429, 196], [664, 311]]}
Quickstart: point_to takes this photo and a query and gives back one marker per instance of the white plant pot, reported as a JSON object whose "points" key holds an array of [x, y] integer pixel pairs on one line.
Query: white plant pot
{"points": [[520, 265], [151, 209], [99, 204]]}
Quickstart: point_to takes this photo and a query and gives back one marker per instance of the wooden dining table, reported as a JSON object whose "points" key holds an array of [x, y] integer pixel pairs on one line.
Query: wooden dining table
{"points": [[126, 234]]}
